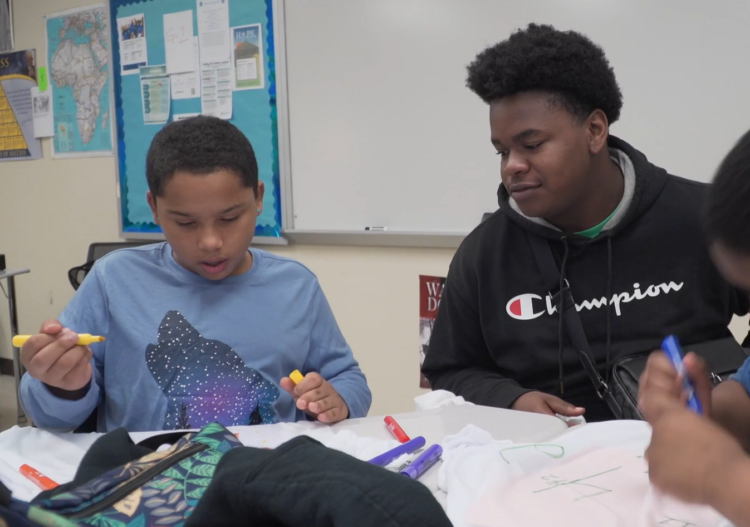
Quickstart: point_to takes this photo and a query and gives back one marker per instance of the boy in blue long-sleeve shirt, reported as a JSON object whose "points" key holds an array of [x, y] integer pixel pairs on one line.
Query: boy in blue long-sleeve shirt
{"points": [[198, 329]]}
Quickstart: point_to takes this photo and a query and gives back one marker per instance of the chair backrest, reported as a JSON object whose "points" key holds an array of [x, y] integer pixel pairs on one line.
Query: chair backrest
{"points": [[96, 251], [99, 249]]}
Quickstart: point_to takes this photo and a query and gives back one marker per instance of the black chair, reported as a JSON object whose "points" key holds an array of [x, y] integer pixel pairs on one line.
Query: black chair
{"points": [[76, 276], [96, 251]]}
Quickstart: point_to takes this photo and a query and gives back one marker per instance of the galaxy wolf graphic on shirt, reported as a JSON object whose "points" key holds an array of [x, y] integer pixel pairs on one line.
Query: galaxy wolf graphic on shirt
{"points": [[205, 380]]}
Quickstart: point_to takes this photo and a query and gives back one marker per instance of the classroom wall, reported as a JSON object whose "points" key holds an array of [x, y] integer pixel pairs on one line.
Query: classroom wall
{"points": [[50, 210]]}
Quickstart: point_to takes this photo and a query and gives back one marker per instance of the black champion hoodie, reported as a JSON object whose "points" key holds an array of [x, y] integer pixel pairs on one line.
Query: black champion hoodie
{"points": [[497, 335]]}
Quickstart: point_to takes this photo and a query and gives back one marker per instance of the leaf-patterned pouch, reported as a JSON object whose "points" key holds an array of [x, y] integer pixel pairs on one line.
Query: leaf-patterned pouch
{"points": [[161, 488]]}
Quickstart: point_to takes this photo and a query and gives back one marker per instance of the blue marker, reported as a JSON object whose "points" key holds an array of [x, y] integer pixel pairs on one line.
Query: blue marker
{"points": [[420, 465], [671, 348], [404, 448]]}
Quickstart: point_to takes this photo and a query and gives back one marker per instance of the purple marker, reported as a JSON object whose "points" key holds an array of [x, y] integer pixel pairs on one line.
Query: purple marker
{"points": [[405, 448], [420, 465]]}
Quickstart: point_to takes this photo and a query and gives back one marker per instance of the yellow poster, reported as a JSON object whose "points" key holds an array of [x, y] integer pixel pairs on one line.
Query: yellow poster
{"points": [[17, 77]]}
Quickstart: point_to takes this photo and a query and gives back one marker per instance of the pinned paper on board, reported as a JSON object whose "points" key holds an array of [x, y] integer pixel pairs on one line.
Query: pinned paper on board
{"points": [[247, 57], [216, 90], [182, 116], [188, 85], [599, 488], [155, 94], [131, 33], [178, 42], [213, 31]]}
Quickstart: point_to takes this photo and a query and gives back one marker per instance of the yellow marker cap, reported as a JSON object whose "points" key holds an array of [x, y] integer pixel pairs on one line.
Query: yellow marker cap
{"points": [[296, 376], [84, 339]]}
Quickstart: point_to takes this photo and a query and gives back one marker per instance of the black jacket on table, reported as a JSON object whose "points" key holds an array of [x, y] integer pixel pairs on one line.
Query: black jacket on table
{"points": [[299, 484], [497, 334]]}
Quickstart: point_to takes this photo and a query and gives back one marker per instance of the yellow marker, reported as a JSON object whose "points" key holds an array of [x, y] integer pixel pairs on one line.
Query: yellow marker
{"points": [[296, 376], [84, 339]]}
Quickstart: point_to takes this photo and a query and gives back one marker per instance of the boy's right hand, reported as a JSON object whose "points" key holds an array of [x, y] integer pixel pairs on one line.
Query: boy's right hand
{"points": [[660, 388], [53, 357]]}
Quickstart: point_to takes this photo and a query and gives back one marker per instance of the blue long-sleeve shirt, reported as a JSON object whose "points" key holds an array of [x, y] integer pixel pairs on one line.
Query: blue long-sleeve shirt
{"points": [[182, 350]]}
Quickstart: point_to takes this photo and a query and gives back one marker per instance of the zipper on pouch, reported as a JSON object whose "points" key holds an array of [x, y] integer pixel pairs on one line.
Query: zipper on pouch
{"points": [[129, 487]]}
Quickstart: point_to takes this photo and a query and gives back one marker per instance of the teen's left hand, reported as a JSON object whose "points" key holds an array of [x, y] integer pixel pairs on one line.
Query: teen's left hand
{"points": [[316, 397], [691, 458]]}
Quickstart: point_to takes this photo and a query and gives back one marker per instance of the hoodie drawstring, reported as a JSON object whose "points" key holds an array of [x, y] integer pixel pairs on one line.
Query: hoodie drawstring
{"points": [[560, 307], [609, 302]]}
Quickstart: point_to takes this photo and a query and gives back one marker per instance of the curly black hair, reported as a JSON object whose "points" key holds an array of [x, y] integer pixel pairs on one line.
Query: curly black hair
{"points": [[199, 145], [727, 212], [540, 58]]}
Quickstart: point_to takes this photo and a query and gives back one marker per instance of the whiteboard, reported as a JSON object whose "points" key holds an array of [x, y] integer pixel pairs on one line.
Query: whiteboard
{"points": [[384, 133]]}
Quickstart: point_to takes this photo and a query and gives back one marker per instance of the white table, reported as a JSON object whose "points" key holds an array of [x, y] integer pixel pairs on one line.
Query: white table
{"points": [[434, 425]]}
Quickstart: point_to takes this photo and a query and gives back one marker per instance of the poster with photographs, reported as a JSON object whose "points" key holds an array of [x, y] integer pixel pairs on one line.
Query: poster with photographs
{"points": [[131, 33]]}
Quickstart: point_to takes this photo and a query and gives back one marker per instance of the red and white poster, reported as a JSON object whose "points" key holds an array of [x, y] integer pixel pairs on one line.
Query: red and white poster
{"points": [[430, 292]]}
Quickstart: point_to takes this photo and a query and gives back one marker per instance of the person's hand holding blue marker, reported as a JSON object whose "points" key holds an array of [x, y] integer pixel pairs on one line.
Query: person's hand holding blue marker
{"points": [[663, 386], [671, 348]]}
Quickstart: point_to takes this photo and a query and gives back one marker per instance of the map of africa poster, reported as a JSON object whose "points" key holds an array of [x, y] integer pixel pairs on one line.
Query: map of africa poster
{"points": [[78, 61]]}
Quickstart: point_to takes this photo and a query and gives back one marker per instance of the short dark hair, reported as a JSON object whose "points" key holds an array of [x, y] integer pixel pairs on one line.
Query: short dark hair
{"points": [[727, 214], [540, 58], [199, 145]]}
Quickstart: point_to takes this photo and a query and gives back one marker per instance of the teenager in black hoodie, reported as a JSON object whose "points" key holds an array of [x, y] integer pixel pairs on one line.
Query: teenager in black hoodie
{"points": [[625, 235]]}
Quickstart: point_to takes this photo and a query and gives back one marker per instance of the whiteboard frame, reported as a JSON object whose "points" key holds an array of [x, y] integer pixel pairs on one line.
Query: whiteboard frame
{"points": [[282, 117], [282, 125], [424, 240]]}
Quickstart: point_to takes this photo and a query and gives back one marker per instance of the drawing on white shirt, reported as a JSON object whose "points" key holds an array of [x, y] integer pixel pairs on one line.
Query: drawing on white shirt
{"points": [[553, 482]]}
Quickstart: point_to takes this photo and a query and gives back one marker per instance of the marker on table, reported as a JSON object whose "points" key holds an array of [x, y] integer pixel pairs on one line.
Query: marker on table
{"points": [[672, 350], [376, 229], [84, 339], [395, 430], [406, 448], [296, 377], [37, 478], [402, 466], [420, 465]]}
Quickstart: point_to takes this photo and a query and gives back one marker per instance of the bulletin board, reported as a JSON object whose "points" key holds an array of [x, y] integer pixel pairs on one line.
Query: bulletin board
{"points": [[254, 111]]}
